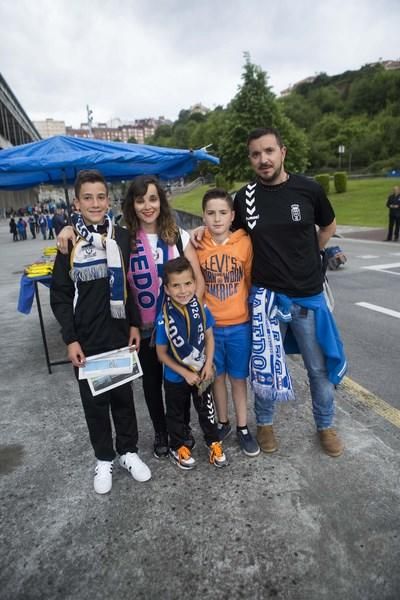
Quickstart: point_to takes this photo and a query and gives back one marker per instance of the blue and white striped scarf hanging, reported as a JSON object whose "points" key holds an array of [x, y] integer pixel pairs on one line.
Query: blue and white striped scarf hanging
{"points": [[270, 378], [97, 256], [185, 327]]}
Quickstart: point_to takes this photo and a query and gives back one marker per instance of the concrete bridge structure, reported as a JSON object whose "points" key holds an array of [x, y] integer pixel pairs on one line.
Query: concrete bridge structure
{"points": [[15, 128]]}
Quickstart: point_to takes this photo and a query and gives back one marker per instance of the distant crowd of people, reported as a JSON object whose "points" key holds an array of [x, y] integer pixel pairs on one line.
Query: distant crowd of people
{"points": [[40, 222]]}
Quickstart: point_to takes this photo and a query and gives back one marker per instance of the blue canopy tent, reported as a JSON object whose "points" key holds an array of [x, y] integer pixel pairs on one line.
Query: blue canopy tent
{"points": [[57, 160]]}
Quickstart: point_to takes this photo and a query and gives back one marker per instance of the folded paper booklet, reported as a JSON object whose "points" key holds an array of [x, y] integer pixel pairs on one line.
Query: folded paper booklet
{"points": [[110, 369]]}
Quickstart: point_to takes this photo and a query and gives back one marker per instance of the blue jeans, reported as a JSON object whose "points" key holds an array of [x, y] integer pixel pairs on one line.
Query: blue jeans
{"points": [[322, 390]]}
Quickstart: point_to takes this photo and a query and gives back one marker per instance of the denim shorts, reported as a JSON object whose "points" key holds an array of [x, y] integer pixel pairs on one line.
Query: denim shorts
{"points": [[233, 349]]}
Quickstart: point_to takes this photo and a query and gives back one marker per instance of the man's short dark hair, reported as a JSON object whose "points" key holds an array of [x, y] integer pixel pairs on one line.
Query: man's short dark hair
{"points": [[257, 133], [215, 193], [88, 176], [177, 265]]}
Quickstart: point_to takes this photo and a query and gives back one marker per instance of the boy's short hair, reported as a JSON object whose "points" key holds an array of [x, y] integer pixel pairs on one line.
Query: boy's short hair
{"points": [[88, 176], [177, 265], [255, 134], [215, 193]]}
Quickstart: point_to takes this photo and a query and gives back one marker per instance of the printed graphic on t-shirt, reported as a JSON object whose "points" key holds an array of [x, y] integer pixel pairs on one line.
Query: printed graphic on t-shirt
{"points": [[251, 217], [222, 274], [295, 211]]}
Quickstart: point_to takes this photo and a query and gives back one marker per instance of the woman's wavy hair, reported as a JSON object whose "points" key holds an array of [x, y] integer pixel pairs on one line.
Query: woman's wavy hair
{"points": [[167, 228]]}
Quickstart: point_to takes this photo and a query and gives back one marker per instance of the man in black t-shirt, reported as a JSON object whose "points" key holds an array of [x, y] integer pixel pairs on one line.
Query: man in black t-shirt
{"points": [[280, 212]]}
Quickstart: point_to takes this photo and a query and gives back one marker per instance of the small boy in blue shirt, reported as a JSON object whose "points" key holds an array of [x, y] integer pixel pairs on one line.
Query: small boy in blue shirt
{"points": [[185, 345]]}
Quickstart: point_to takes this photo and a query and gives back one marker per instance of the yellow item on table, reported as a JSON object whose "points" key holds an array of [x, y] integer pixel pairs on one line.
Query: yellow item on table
{"points": [[50, 251], [39, 269]]}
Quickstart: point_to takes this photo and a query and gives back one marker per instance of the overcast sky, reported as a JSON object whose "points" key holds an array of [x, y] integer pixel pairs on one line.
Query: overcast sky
{"points": [[140, 58]]}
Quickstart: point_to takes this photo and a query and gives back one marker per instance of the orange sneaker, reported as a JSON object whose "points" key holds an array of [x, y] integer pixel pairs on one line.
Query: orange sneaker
{"points": [[216, 455], [182, 458]]}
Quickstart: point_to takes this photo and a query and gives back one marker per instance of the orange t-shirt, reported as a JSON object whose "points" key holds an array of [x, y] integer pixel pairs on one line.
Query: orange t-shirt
{"points": [[226, 270]]}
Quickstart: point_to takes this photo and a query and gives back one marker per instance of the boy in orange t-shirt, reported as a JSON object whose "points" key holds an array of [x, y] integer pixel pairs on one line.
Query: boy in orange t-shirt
{"points": [[225, 258]]}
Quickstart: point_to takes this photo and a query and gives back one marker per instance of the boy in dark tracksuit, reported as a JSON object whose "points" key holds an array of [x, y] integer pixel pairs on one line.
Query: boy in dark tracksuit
{"points": [[185, 345], [89, 300]]}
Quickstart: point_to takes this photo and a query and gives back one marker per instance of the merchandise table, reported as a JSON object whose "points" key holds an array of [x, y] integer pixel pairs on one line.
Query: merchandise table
{"points": [[29, 290]]}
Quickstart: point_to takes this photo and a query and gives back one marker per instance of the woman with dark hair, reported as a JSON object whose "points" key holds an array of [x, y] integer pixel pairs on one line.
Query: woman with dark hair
{"points": [[156, 238]]}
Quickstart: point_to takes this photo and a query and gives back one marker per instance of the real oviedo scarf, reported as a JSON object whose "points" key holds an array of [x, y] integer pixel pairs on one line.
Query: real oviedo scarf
{"points": [[97, 256], [270, 378], [145, 277], [185, 327]]}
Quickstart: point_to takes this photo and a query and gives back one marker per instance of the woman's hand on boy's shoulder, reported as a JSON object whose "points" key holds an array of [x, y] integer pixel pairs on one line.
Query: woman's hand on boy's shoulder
{"points": [[66, 234], [196, 236]]}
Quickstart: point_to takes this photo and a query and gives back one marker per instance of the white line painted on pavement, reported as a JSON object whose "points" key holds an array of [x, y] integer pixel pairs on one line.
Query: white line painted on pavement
{"points": [[367, 256], [379, 309], [384, 268]]}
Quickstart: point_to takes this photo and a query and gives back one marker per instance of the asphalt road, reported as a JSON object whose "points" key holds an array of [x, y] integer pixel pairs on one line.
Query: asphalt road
{"points": [[371, 276]]}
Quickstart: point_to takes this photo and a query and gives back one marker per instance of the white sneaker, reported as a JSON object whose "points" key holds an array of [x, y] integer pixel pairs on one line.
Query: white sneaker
{"points": [[136, 467], [103, 476]]}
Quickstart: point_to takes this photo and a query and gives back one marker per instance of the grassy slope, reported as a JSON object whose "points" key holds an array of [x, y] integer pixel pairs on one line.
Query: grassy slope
{"points": [[363, 204]]}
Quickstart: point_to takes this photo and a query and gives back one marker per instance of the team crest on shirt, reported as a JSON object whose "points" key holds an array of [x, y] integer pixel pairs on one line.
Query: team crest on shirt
{"points": [[295, 211]]}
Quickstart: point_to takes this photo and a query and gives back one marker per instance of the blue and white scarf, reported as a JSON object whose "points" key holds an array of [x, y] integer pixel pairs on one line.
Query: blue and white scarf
{"points": [[185, 327], [97, 256], [270, 378]]}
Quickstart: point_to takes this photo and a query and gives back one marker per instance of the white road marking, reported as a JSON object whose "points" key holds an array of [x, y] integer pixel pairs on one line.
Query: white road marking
{"points": [[379, 309], [367, 256], [386, 268]]}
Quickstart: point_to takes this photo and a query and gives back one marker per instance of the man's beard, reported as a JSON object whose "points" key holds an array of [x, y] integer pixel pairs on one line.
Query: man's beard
{"points": [[272, 178]]}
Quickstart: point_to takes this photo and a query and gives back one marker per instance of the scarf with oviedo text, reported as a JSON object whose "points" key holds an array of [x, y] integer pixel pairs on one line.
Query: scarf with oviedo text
{"points": [[185, 327], [270, 378], [145, 277], [98, 256]]}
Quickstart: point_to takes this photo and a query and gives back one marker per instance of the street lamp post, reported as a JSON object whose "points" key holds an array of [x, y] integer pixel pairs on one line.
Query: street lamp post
{"points": [[341, 151], [89, 113]]}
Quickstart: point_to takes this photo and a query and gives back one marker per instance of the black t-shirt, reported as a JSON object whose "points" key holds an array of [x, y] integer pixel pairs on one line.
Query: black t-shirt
{"points": [[280, 220], [394, 199]]}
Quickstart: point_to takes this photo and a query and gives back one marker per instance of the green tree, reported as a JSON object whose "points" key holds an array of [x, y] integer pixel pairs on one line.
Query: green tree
{"points": [[300, 110], [255, 106]]}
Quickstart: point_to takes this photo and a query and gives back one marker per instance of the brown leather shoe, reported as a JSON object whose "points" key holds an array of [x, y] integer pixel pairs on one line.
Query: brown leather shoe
{"points": [[266, 438], [330, 442]]}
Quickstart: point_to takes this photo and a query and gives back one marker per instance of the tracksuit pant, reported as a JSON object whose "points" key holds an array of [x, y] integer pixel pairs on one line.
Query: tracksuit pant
{"points": [[119, 402], [152, 381], [177, 399]]}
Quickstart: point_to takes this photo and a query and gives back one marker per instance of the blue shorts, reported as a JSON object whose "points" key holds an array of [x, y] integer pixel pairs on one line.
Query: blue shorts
{"points": [[233, 349]]}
